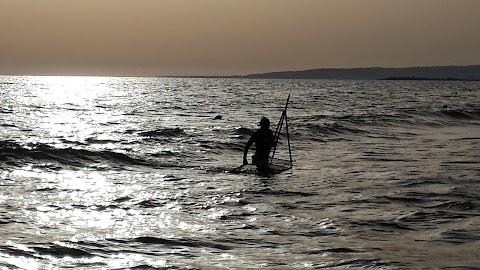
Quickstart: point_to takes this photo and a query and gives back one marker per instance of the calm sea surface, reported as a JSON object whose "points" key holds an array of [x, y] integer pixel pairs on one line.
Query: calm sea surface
{"points": [[133, 173]]}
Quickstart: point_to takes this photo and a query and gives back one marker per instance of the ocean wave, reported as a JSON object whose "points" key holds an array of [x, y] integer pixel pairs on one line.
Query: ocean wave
{"points": [[425, 219], [163, 132], [385, 226], [244, 131], [97, 141], [47, 157], [273, 192], [362, 124], [16, 252], [461, 236], [7, 220], [459, 114], [183, 242], [56, 250], [455, 205], [360, 263], [6, 110], [325, 131], [16, 154]]}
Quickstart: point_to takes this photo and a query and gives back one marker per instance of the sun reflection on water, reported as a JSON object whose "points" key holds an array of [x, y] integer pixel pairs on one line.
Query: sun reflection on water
{"points": [[71, 89], [85, 204], [72, 108]]}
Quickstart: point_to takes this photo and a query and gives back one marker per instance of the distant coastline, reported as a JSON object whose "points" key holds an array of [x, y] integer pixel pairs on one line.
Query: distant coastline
{"points": [[424, 79], [447, 73]]}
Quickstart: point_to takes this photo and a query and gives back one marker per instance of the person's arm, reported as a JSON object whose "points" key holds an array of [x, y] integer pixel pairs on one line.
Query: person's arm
{"points": [[245, 150], [273, 140]]}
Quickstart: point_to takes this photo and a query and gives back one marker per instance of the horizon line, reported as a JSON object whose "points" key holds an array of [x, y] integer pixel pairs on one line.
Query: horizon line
{"points": [[233, 75]]}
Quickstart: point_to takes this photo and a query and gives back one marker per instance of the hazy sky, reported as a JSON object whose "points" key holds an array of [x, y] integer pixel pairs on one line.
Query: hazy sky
{"points": [[208, 37]]}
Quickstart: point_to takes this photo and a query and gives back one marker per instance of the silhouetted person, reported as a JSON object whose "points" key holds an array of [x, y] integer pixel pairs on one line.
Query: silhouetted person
{"points": [[264, 140]]}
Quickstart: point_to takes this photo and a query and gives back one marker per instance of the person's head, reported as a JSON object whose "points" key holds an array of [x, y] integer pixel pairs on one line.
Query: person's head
{"points": [[264, 122]]}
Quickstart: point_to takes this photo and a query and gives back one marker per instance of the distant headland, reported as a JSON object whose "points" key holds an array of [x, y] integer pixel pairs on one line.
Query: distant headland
{"points": [[444, 73]]}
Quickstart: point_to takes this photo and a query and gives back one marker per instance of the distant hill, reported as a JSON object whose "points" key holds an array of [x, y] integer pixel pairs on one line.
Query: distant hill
{"points": [[377, 73]]}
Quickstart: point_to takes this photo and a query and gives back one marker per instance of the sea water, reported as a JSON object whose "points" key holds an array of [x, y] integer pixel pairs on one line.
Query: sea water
{"points": [[133, 173]]}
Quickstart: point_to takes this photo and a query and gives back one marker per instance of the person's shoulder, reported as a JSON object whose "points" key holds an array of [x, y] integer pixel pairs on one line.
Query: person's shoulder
{"points": [[264, 132]]}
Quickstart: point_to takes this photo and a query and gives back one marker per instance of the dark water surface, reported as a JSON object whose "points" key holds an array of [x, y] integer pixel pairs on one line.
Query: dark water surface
{"points": [[132, 173]]}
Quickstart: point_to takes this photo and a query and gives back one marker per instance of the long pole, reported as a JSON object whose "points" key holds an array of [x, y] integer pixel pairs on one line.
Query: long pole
{"points": [[288, 140], [277, 136], [279, 128]]}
